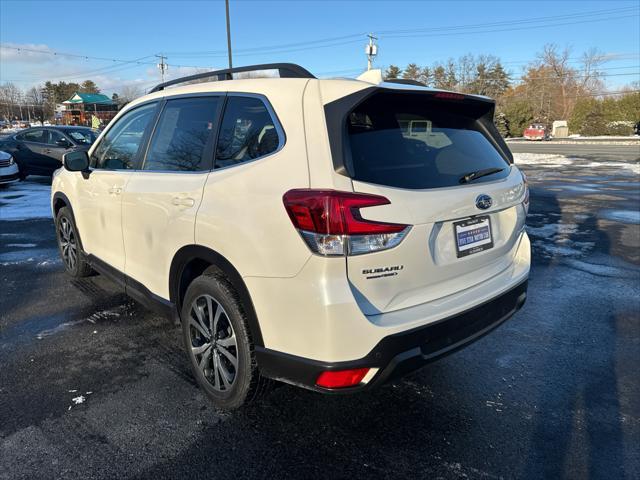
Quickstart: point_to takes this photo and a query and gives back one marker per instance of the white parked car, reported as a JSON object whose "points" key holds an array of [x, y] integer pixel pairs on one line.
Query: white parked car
{"points": [[298, 229], [9, 172]]}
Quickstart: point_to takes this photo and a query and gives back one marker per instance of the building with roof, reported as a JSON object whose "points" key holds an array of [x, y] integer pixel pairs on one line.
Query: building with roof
{"points": [[81, 107]]}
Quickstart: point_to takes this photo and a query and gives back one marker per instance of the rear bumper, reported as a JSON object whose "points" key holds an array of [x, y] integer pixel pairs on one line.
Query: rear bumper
{"points": [[402, 352]]}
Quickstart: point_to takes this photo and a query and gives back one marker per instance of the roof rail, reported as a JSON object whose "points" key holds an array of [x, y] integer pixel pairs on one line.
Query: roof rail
{"points": [[285, 70]]}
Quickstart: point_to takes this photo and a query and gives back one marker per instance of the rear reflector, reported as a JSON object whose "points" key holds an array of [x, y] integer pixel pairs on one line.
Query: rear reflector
{"points": [[341, 378], [331, 224]]}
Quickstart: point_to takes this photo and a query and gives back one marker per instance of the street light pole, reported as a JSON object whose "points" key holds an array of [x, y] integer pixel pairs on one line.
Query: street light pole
{"points": [[226, 3]]}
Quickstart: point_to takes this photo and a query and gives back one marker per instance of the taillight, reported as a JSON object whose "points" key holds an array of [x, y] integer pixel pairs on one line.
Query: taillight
{"points": [[341, 378], [331, 224]]}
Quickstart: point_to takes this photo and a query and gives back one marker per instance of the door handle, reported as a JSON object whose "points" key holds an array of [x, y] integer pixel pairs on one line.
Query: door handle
{"points": [[183, 201], [115, 190], [47, 150]]}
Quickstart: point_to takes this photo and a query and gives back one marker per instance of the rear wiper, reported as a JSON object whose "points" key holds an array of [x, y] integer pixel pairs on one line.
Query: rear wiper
{"points": [[470, 177]]}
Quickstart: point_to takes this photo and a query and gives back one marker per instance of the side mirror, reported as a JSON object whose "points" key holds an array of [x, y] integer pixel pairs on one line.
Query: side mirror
{"points": [[76, 161], [63, 143]]}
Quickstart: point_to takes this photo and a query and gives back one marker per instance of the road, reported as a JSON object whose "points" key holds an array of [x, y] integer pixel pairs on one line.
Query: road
{"points": [[554, 393]]}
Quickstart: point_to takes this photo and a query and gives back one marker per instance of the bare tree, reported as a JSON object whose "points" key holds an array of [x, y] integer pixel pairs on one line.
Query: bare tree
{"points": [[129, 92], [591, 78], [10, 101]]}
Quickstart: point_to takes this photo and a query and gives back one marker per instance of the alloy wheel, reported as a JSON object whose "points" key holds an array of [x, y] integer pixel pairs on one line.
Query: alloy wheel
{"points": [[68, 244], [213, 342]]}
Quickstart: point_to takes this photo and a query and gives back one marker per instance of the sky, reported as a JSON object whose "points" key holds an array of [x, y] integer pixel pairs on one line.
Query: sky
{"points": [[326, 37]]}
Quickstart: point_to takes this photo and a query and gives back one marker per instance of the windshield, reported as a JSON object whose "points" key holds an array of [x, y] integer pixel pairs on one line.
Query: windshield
{"points": [[418, 144], [83, 136]]}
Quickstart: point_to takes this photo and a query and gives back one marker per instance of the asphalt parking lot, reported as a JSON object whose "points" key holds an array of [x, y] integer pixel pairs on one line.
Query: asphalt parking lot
{"points": [[94, 386]]}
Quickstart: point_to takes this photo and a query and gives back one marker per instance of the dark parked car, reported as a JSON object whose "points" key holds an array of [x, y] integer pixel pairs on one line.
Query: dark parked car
{"points": [[39, 150]]}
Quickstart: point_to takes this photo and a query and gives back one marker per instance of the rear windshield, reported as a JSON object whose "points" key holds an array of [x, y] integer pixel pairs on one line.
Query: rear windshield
{"points": [[403, 142]]}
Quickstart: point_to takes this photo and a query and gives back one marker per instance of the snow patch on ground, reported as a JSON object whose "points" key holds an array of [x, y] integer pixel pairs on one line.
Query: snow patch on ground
{"points": [[624, 216], [566, 249], [604, 270], [43, 256], [552, 230], [634, 167], [93, 319], [540, 159], [553, 240], [545, 160], [25, 201]]}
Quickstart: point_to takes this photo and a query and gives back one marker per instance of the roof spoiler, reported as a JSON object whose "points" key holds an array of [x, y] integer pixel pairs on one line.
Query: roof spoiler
{"points": [[285, 70]]}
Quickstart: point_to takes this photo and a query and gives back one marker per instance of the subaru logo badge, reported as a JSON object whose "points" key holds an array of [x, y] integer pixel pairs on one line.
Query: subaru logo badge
{"points": [[484, 201]]}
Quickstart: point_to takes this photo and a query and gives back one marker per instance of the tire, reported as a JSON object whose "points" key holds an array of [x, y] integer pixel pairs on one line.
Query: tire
{"points": [[212, 298], [69, 246]]}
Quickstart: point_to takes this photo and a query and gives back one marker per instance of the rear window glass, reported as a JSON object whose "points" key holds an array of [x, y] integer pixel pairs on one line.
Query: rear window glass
{"points": [[401, 142]]}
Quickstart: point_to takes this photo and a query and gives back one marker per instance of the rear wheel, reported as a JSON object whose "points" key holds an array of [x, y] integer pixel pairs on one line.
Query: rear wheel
{"points": [[218, 341], [69, 245]]}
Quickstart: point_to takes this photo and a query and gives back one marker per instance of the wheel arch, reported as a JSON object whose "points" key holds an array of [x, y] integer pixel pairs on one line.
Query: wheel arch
{"points": [[192, 261], [59, 201]]}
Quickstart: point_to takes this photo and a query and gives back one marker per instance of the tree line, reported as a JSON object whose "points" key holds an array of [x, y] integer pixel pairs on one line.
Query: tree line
{"points": [[39, 102], [552, 87]]}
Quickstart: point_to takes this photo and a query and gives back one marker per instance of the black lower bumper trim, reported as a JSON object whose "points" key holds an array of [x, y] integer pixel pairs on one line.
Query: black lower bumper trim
{"points": [[403, 352], [9, 178]]}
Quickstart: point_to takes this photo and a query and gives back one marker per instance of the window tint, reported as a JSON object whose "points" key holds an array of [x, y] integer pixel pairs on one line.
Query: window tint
{"points": [[247, 132], [39, 135], [119, 147], [418, 143], [185, 127], [54, 136]]}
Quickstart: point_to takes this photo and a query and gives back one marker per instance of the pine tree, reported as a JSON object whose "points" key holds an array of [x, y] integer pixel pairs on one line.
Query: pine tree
{"points": [[439, 77], [89, 86], [426, 76], [392, 72], [498, 81], [411, 72]]}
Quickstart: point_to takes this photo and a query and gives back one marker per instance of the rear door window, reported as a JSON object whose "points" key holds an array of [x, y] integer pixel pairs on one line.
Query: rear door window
{"points": [[248, 132], [184, 135], [54, 136], [38, 135], [400, 142]]}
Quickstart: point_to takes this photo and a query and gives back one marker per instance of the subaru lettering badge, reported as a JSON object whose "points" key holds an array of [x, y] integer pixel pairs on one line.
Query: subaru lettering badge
{"points": [[484, 201]]}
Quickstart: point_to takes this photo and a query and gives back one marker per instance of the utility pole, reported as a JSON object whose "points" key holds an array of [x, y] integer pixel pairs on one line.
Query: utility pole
{"points": [[162, 66], [371, 50], [226, 3]]}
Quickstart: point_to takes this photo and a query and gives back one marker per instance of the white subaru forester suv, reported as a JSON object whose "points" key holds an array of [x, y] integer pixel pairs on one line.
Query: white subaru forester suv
{"points": [[329, 234]]}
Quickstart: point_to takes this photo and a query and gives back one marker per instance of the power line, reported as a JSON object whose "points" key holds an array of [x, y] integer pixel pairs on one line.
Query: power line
{"points": [[88, 57], [511, 29], [513, 22], [451, 30]]}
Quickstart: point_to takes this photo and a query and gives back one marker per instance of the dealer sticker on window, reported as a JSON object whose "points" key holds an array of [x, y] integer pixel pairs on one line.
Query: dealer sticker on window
{"points": [[473, 235]]}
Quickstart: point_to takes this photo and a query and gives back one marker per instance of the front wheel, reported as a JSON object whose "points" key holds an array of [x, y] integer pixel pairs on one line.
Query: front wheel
{"points": [[218, 341], [69, 245]]}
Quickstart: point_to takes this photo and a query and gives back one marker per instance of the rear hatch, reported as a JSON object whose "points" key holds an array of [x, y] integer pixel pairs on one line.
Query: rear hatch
{"points": [[447, 173]]}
